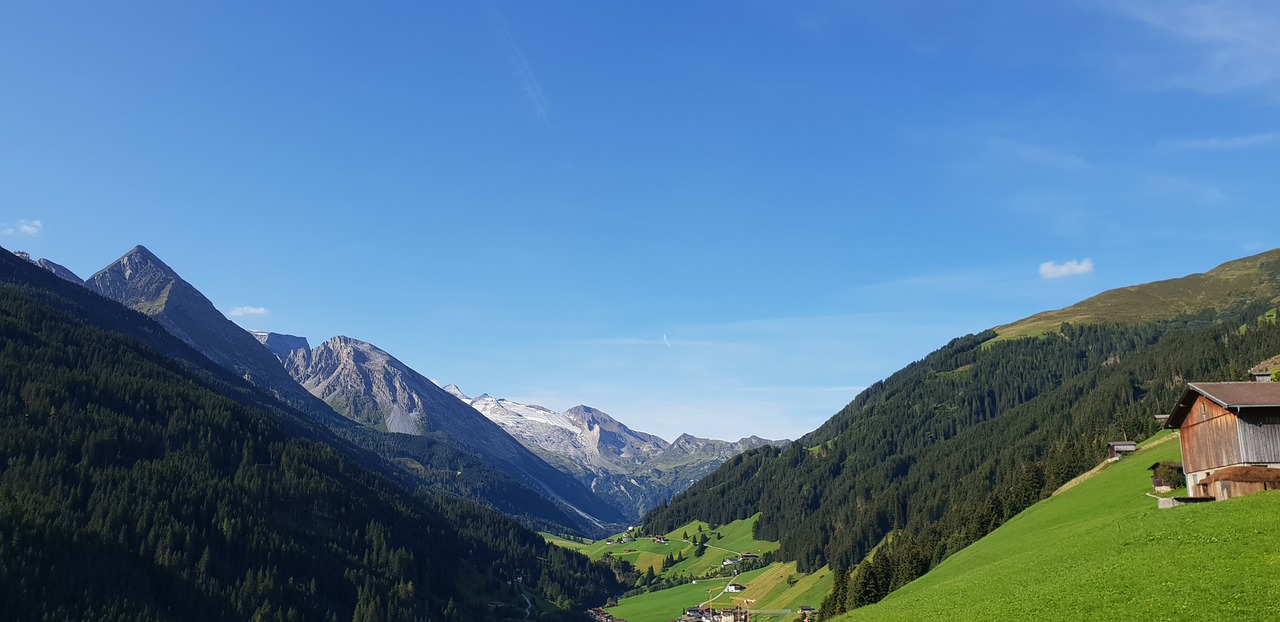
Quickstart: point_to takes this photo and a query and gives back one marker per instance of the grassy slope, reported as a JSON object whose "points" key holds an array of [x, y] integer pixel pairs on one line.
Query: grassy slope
{"points": [[1103, 550], [766, 587], [1251, 277], [645, 553]]}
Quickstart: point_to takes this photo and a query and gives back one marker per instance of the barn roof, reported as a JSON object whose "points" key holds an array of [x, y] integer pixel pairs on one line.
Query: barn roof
{"points": [[1238, 397], [1265, 367], [1244, 474]]}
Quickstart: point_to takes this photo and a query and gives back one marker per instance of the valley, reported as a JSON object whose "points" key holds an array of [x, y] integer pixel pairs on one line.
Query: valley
{"points": [[935, 479], [583, 311]]}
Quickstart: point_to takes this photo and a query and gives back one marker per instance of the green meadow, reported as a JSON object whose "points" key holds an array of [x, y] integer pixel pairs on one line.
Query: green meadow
{"points": [[1101, 550], [777, 586], [722, 543]]}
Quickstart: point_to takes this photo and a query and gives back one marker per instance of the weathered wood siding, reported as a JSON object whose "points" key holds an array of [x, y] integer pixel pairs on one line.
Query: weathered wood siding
{"points": [[1224, 490], [1259, 439], [1210, 439]]}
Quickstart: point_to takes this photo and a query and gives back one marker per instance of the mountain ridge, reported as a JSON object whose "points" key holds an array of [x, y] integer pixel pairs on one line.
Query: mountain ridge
{"points": [[949, 447], [145, 482], [1256, 277], [635, 470], [143, 282], [372, 387]]}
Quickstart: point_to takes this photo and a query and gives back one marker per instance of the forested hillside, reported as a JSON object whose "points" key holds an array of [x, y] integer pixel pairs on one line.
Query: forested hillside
{"points": [[945, 450], [134, 486]]}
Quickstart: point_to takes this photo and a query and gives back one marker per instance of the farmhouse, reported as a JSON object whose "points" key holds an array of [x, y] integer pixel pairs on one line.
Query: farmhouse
{"points": [[1223, 425]]}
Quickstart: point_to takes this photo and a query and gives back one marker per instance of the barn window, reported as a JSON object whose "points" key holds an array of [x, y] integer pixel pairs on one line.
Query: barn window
{"points": [[1203, 408]]}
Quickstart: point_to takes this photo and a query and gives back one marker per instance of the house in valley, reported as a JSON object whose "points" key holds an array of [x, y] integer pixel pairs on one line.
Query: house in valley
{"points": [[1224, 425]]}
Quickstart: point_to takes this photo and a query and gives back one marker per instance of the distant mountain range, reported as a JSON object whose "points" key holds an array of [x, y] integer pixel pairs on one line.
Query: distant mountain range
{"points": [[597, 471], [368, 385], [633, 469]]}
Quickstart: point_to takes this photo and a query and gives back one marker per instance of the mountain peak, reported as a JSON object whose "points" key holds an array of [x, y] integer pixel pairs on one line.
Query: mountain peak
{"points": [[281, 345], [452, 389], [53, 267], [141, 255]]}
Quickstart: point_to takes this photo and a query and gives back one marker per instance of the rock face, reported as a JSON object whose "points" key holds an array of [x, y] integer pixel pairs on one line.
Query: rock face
{"points": [[281, 345], [139, 280], [368, 385], [635, 471], [355, 376], [55, 268]]}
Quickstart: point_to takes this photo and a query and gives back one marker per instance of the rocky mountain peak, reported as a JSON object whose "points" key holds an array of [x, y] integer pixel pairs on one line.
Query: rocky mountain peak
{"points": [[281, 345], [53, 267], [140, 280], [634, 470], [452, 389], [143, 282]]}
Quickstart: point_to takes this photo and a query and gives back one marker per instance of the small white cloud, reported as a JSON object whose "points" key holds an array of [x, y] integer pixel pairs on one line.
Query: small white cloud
{"points": [[243, 311], [1050, 270], [24, 227], [664, 340]]}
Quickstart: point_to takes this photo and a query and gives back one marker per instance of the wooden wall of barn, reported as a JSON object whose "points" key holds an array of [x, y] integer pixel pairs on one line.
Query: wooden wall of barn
{"points": [[1223, 490], [1209, 439], [1259, 439]]}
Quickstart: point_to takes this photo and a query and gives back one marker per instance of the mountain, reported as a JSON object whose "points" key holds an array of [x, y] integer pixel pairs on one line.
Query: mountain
{"points": [[581, 438], [368, 385], [948, 448], [143, 482], [447, 463], [1242, 281], [281, 345], [57, 269], [634, 470], [141, 281]]}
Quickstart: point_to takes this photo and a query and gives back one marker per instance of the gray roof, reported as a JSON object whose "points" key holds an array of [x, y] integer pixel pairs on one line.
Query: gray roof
{"points": [[1239, 397]]}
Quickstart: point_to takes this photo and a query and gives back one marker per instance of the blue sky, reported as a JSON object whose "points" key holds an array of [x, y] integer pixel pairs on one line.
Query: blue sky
{"points": [[722, 218]]}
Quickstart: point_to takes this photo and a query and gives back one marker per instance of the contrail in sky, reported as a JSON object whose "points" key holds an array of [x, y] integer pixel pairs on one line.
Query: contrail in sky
{"points": [[664, 340], [528, 82]]}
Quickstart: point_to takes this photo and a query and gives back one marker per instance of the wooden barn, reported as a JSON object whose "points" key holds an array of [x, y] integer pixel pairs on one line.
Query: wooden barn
{"points": [[1226, 424], [1117, 449], [1262, 371]]}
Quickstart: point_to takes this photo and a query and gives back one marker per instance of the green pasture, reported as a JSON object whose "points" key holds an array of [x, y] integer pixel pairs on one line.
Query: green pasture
{"points": [[1101, 550]]}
